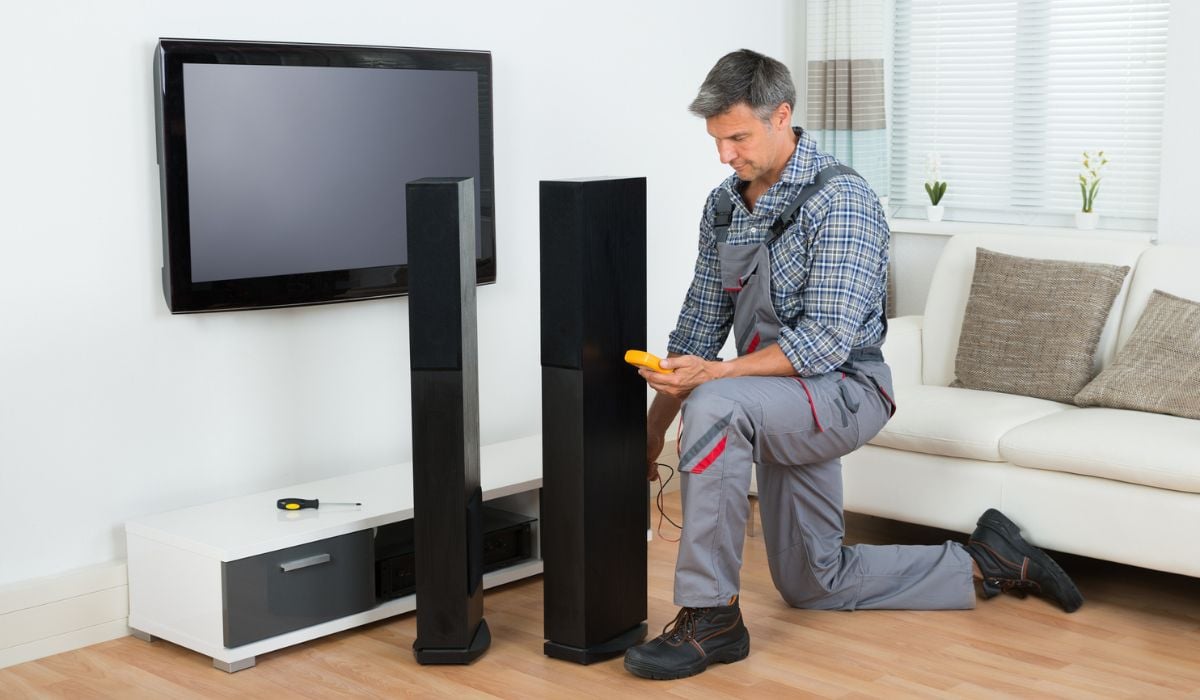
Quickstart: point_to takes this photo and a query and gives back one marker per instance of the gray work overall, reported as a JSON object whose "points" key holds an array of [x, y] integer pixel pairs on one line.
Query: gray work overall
{"points": [[795, 429]]}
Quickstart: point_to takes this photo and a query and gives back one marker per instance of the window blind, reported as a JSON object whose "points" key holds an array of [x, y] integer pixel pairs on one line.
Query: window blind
{"points": [[1010, 93]]}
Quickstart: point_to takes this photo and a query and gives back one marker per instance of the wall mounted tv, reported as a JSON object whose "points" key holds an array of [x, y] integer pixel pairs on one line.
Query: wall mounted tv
{"points": [[283, 166]]}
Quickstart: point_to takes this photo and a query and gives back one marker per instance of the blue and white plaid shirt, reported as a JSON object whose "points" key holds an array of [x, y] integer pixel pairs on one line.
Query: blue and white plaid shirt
{"points": [[828, 270]]}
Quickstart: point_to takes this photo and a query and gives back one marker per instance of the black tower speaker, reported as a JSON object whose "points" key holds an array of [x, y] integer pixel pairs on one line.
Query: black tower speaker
{"points": [[594, 492], [447, 501]]}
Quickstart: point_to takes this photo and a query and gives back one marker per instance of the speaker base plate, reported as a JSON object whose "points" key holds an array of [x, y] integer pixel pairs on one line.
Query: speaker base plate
{"points": [[597, 652], [479, 644]]}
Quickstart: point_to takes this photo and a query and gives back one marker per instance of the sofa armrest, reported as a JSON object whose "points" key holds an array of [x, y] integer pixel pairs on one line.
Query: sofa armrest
{"points": [[902, 349]]}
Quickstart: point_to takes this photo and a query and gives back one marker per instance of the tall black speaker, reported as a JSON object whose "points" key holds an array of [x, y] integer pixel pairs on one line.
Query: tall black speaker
{"points": [[447, 501], [594, 495]]}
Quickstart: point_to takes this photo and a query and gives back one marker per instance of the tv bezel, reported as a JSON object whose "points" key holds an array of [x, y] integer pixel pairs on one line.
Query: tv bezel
{"points": [[300, 289]]}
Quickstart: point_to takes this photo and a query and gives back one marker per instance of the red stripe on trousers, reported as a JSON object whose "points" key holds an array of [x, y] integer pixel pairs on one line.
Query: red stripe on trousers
{"points": [[812, 404], [753, 343], [889, 400], [710, 458]]}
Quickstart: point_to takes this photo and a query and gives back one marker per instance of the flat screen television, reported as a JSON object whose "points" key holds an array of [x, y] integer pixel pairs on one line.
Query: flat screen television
{"points": [[283, 166]]}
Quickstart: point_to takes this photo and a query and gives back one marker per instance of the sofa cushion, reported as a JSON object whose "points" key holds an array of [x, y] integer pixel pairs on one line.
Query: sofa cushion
{"points": [[951, 285], [940, 420], [1167, 267], [1031, 326], [1131, 446], [1158, 370]]}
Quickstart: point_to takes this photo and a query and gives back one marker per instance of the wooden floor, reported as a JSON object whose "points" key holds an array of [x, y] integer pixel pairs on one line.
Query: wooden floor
{"points": [[1137, 636]]}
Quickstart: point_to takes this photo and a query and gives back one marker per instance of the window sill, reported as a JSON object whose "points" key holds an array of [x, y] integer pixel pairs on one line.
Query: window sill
{"points": [[953, 228]]}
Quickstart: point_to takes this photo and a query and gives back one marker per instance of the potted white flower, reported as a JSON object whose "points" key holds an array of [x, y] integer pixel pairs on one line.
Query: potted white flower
{"points": [[935, 187], [1089, 187]]}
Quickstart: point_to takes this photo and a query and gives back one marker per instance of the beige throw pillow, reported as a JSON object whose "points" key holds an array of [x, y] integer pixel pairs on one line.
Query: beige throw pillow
{"points": [[1031, 326], [1158, 370]]}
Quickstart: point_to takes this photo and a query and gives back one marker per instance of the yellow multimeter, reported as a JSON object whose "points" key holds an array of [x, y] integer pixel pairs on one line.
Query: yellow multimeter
{"points": [[641, 358]]}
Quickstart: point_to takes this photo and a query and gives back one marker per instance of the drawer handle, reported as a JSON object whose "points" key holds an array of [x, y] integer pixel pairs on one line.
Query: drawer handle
{"points": [[304, 563]]}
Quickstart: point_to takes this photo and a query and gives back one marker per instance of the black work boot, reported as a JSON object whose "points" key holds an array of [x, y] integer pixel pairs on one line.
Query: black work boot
{"points": [[1009, 564], [696, 638]]}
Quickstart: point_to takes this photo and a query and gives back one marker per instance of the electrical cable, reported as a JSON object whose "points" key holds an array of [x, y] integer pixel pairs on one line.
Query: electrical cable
{"points": [[662, 485], [658, 501]]}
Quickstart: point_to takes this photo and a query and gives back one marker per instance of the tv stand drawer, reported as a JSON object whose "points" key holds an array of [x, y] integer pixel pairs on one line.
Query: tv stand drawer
{"points": [[296, 587]]}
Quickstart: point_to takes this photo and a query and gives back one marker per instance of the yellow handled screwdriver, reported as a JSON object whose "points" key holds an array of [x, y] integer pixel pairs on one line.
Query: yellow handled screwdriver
{"points": [[298, 503]]}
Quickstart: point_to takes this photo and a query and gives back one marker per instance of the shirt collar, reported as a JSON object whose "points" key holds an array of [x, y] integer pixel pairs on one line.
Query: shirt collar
{"points": [[801, 168]]}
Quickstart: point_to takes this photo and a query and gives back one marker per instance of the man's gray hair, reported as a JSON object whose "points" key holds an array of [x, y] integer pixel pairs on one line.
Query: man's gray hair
{"points": [[745, 77]]}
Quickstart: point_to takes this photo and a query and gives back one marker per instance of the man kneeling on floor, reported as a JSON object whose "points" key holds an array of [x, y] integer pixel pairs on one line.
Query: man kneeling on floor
{"points": [[793, 257]]}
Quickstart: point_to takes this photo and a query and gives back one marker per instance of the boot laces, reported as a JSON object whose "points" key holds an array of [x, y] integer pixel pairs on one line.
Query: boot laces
{"points": [[684, 624]]}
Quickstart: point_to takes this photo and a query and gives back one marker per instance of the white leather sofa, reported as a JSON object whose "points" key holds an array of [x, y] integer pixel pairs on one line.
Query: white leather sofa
{"points": [[1113, 484]]}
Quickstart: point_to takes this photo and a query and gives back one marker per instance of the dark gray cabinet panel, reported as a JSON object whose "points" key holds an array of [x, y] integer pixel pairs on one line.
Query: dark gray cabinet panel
{"points": [[292, 588]]}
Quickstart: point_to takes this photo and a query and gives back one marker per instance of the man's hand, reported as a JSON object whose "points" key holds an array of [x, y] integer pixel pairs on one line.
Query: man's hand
{"points": [[689, 372]]}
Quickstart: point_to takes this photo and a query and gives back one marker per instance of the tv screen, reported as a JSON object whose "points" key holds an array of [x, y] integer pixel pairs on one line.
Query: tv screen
{"points": [[283, 166]]}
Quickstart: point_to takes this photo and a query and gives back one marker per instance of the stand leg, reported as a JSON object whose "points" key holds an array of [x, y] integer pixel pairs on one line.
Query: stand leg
{"points": [[234, 666], [138, 634]]}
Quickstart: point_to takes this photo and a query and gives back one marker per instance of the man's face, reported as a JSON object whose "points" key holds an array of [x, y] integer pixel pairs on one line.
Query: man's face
{"points": [[747, 144]]}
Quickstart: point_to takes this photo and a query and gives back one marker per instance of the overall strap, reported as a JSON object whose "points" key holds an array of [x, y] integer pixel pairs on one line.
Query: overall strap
{"points": [[787, 217], [723, 216]]}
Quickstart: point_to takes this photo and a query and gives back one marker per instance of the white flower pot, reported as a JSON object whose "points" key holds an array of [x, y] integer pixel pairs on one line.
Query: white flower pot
{"points": [[935, 213], [1086, 220]]}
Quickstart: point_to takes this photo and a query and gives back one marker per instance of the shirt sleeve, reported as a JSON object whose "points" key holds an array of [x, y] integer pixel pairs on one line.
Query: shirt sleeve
{"points": [[847, 273], [707, 313]]}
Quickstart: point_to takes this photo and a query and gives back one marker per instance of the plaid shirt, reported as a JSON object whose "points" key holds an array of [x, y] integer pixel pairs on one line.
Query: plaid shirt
{"points": [[828, 271]]}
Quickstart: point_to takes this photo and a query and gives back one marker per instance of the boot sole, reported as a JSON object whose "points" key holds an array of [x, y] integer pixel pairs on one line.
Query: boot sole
{"points": [[725, 655], [995, 520]]}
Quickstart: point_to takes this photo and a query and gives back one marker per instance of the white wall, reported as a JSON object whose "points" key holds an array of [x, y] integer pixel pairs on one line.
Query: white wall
{"points": [[112, 408]]}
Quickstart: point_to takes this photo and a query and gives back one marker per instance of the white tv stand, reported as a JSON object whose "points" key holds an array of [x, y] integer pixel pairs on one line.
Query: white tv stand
{"points": [[176, 558]]}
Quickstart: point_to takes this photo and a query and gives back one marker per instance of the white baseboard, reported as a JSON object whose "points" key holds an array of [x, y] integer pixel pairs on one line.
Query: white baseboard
{"points": [[58, 644], [51, 615]]}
